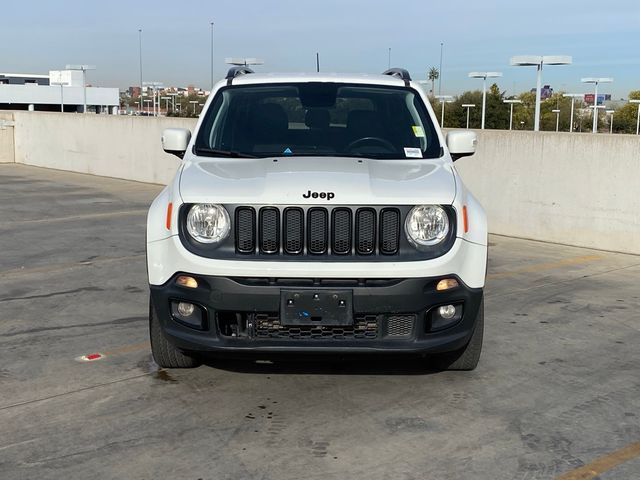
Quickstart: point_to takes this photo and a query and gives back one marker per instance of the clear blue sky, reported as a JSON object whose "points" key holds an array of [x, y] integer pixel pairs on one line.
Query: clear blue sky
{"points": [[351, 35]]}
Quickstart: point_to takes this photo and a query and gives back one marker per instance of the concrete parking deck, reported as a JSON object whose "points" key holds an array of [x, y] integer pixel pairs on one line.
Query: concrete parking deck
{"points": [[557, 392]]}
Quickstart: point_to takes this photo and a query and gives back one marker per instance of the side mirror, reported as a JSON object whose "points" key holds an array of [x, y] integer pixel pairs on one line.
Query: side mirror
{"points": [[461, 143], [175, 141]]}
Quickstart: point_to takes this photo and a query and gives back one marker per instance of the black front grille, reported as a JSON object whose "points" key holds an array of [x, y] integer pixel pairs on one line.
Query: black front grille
{"points": [[400, 325], [318, 231], [365, 327]]}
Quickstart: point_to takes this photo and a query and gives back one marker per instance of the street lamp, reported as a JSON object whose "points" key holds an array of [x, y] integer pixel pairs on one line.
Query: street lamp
{"points": [[468, 106], [511, 103], [147, 101], [83, 69], [166, 104], [596, 81], [538, 61], [194, 103], [56, 79], [557, 112], [155, 86], [444, 99], [610, 112], [243, 62], [140, 53], [211, 56], [484, 76], [638, 120], [573, 96]]}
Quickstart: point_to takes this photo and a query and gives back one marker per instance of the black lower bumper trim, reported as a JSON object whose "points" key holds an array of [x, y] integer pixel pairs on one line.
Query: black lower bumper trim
{"points": [[243, 315]]}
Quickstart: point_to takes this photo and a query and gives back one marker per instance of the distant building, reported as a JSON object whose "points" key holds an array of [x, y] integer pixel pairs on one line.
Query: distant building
{"points": [[545, 92], [50, 92]]}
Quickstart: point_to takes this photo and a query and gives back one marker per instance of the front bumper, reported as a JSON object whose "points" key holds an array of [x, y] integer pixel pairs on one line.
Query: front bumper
{"points": [[389, 315]]}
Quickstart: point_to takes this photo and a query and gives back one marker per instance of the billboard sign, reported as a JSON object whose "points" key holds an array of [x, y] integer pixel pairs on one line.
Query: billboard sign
{"points": [[602, 97]]}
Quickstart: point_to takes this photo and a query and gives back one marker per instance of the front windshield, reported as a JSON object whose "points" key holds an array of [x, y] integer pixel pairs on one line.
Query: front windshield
{"points": [[318, 119]]}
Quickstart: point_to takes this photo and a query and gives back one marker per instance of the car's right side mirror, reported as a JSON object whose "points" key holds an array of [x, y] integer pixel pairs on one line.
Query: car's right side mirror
{"points": [[461, 143], [176, 140]]}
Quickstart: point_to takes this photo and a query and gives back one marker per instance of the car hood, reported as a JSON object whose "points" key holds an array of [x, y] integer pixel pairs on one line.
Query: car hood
{"points": [[293, 181]]}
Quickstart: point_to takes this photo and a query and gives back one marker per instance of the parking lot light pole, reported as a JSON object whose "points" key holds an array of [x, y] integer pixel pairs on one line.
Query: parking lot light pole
{"points": [[194, 103], [83, 69], [637, 102], [468, 106], [573, 96], [484, 76], [557, 112], [444, 99], [538, 61], [511, 103], [596, 82], [610, 113]]}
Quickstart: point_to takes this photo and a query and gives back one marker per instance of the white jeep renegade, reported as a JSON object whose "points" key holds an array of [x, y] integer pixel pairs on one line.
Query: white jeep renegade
{"points": [[317, 213]]}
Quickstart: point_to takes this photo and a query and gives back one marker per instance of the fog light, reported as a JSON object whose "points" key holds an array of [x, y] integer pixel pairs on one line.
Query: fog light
{"points": [[446, 311], [447, 284], [185, 281], [186, 309]]}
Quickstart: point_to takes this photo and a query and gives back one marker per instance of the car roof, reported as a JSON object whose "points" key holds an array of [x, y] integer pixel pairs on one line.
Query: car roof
{"points": [[366, 79]]}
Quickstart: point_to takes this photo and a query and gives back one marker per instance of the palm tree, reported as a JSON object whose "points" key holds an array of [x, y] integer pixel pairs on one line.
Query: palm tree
{"points": [[433, 75]]}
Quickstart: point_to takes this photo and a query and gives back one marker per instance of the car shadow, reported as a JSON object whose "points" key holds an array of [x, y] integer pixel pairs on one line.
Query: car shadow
{"points": [[324, 365]]}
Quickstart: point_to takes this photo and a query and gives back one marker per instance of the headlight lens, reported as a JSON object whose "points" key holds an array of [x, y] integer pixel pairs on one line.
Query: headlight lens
{"points": [[208, 223], [426, 225]]}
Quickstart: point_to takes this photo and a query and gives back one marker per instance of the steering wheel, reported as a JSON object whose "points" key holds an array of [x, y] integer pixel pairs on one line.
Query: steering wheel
{"points": [[371, 140]]}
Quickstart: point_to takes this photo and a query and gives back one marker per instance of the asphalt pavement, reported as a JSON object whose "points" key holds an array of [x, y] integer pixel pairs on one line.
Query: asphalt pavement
{"points": [[556, 394]]}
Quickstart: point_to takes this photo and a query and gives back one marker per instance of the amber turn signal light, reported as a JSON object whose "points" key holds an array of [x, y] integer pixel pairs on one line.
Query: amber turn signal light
{"points": [[447, 284], [185, 281]]}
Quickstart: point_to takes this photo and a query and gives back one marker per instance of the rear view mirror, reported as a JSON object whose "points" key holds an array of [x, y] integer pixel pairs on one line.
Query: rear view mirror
{"points": [[175, 141], [461, 143]]}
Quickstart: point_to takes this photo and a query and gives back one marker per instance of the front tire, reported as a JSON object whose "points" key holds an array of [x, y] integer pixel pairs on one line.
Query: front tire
{"points": [[165, 354], [468, 357]]}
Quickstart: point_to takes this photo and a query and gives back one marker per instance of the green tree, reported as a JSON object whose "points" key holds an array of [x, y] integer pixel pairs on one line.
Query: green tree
{"points": [[433, 75]]}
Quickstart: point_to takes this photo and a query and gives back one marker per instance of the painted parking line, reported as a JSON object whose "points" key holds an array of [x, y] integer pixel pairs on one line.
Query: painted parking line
{"points": [[603, 464], [542, 267]]}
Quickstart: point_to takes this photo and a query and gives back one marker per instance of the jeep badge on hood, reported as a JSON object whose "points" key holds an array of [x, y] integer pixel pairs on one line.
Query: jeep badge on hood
{"points": [[310, 194]]}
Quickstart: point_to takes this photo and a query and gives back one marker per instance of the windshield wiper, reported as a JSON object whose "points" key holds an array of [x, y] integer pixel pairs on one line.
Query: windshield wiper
{"points": [[212, 152]]}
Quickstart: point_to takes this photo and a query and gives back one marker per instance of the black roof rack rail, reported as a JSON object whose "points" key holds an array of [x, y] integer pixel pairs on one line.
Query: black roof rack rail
{"points": [[235, 71], [401, 73]]}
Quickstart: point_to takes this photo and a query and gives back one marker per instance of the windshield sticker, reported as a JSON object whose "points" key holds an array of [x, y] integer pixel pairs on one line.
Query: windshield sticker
{"points": [[412, 152], [418, 131], [287, 151]]}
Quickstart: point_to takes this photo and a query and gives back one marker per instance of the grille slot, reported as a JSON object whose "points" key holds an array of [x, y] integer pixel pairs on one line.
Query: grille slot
{"points": [[389, 231], [341, 242], [269, 230], [293, 231], [400, 325], [365, 231], [318, 229], [245, 230]]}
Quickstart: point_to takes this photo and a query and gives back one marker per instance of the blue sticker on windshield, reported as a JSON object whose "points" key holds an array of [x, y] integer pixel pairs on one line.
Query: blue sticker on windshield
{"points": [[287, 151]]}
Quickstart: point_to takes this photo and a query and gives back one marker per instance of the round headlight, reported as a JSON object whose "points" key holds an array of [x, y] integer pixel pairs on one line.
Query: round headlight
{"points": [[208, 223], [426, 225]]}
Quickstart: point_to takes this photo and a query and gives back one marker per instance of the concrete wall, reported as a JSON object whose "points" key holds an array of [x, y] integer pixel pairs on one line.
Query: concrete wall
{"points": [[576, 189], [7, 148], [107, 145]]}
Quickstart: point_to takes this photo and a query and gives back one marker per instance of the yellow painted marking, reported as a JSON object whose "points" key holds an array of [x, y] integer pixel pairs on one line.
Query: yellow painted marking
{"points": [[541, 267], [603, 464]]}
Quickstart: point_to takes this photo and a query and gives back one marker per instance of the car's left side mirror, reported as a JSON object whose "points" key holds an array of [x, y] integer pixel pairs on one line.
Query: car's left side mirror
{"points": [[176, 140], [461, 143]]}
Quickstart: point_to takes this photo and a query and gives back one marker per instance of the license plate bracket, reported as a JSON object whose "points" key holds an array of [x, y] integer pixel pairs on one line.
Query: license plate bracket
{"points": [[316, 307]]}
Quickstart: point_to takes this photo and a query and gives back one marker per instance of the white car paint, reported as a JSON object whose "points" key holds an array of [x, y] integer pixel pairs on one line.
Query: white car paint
{"points": [[283, 182]]}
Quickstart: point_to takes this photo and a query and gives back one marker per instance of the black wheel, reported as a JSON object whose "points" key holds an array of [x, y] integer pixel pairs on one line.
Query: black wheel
{"points": [[165, 354], [468, 357]]}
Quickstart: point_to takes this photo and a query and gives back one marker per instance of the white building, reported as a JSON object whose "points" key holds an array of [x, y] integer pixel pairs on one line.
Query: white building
{"points": [[50, 92]]}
